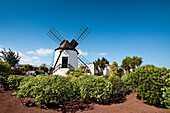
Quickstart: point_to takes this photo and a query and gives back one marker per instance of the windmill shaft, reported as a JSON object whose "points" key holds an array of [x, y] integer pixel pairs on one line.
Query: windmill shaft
{"points": [[82, 34]]}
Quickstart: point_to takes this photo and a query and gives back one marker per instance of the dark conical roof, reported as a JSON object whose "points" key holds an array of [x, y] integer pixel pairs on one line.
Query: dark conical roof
{"points": [[66, 46]]}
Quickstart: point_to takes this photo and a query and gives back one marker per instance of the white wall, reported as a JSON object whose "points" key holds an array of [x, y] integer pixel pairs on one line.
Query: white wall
{"points": [[72, 60], [91, 67], [106, 70], [93, 71]]}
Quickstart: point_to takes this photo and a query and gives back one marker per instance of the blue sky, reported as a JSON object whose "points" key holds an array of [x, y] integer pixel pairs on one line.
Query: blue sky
{"points": [[119, 28]]}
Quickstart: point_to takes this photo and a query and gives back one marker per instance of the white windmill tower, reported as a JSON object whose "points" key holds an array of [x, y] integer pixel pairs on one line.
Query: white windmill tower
{"points": [[66, 56]]}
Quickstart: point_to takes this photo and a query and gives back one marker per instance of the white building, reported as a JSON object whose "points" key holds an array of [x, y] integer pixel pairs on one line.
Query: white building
{"points": [[105, 71], [93, 70]]}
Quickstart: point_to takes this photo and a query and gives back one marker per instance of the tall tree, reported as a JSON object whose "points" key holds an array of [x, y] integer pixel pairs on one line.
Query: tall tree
{"points": [[43, 67], [4, 68], [125, 64], [100, 64], [11, 57], [115, 70], [27, 67], [139, 62], [131, 63]]}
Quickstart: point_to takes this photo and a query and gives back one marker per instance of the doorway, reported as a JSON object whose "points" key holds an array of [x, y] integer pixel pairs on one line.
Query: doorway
{"points": [[64, 62]]}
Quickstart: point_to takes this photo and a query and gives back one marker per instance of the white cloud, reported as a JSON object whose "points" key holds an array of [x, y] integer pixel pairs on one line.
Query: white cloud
{"points": [[41, 52], [82, 53], [37, 61], [44, 52], [26, 59], [35, 58], [31, 52], [101, 54]]}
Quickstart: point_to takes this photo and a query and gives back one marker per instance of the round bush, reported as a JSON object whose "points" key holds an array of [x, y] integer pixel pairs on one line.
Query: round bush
{"points": [[148, 81], [95, 87]]}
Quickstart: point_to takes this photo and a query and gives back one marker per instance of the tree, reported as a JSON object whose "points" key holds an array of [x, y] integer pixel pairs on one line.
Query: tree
{"points": [[131, 63], [138, 62], [99, 65], [27, 67], [51, 69], [83, 68], [43, 68], [125, 64], [4, 68], [115, 70], [11, 57]]}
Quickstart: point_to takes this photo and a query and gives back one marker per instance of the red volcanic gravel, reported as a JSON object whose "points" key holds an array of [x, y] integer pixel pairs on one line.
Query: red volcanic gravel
{"points": [[132, 105]]}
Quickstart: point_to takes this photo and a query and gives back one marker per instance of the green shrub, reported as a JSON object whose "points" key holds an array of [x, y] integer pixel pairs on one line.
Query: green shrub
{"points": [[105, 76], [59, 89], [166, 94], [14, 81], [3, 81], [95, 87], [4, 68], [75, 73], [148, 81], [46, 89], [39, 72], [118, 86]]}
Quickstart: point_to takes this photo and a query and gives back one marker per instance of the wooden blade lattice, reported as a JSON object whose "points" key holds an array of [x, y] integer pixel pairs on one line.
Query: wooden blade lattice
{"points": [[55, 35], [83, 60], [82, 34]]}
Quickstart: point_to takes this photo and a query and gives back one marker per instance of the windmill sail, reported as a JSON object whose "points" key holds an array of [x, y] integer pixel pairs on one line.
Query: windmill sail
{"points": [[83, 60], [80, 36], [55, 35]]}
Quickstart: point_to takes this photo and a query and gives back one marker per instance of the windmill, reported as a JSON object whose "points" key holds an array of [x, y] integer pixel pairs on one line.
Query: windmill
{"points": [[66, 56]]}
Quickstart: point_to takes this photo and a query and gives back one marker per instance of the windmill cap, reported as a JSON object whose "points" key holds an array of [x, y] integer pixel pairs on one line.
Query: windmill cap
{"points": [[66, 46]]}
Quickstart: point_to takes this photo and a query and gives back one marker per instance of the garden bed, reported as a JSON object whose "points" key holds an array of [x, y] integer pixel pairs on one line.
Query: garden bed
{"points": [[131, 105]]}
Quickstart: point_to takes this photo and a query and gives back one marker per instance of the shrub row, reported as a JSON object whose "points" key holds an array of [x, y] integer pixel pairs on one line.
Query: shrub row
{"points": [[148, 82], [10, 81], [55, 88]]}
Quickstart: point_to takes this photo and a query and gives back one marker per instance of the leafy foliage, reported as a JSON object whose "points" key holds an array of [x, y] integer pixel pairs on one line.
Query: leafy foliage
{"points": [[39, 72], [59, 89], [75, 73], [118, 88], [148, 81], [14, 81], [43, 67], [83, 68], [27, 67], [166, 94], [10, 57], [131, 63], [99, 65], [95, 87], [46, 89], [4, 68], [3, 81], [114, 71]]}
